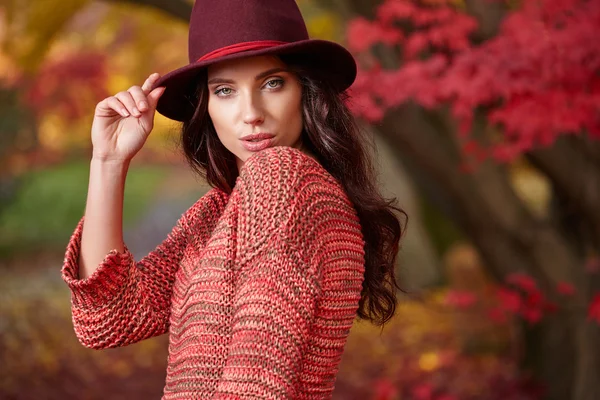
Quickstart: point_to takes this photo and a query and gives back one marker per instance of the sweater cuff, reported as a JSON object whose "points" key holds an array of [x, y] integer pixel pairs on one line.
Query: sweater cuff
{"points": [[105, 282]]}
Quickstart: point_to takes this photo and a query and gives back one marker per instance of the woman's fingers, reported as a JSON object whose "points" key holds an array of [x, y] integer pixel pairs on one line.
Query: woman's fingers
{"points": [[149, 83], [109, 105], [139, 97], [116, 105], [134, 101], [154, 96], [127, 99]]}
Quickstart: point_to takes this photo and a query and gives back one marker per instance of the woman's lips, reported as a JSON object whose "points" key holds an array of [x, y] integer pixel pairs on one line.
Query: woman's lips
{"points": [[258, 145]]}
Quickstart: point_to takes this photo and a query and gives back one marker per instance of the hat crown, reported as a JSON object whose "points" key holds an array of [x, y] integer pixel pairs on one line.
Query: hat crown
{"points": [[215, 24]]}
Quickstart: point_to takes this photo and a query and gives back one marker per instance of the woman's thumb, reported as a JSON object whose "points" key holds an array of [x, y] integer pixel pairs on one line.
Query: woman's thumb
{"points": [[154, 95]]}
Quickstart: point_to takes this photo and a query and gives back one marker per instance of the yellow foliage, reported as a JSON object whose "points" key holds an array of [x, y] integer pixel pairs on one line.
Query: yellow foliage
{"points": [[324, 26], [52, 132], [429, 361], [117, 82], [321, 23], [531, 186], [32, 27]]}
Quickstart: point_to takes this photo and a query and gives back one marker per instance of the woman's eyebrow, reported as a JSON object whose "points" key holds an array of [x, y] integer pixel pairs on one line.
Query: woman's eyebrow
{"points": [[270, 72], [257, 77]]}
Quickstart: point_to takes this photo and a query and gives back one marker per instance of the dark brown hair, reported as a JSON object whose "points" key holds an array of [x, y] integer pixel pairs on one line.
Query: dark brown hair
{"points": [[332, 134]]}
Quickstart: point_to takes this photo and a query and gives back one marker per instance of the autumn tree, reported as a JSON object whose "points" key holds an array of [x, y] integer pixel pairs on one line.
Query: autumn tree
{"points": [[459, 93]]}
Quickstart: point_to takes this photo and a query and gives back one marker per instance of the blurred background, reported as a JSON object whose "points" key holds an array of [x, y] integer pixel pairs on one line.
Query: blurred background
{"points": [[486, 115]]}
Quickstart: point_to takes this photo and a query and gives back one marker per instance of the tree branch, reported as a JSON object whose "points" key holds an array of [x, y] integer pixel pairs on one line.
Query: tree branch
{"points": [[489, 14], [484, 203], [576, 177], [179, 9]]}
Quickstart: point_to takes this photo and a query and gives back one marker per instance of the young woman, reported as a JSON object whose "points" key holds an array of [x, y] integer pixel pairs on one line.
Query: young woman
{"points": [[260, 281]]}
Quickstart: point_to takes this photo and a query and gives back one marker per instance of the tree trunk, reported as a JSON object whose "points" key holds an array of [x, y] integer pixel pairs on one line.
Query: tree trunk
{"points": [[510, 240], [418, 265]]}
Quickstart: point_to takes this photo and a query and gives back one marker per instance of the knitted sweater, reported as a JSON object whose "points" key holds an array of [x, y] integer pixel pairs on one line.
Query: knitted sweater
{"points": [[257, 289]]}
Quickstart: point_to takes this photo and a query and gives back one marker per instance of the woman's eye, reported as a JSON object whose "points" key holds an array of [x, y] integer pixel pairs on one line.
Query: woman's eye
{"points": [[274, 83], [225, 91]]}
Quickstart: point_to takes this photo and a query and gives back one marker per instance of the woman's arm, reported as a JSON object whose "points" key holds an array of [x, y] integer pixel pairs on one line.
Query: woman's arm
{"points": [[103, 230], [110, 304], [287, 223], [124, 301]]}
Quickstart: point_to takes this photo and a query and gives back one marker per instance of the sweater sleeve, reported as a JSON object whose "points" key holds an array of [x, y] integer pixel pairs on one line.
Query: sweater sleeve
{"points": [[125, 301], [280, 223]]}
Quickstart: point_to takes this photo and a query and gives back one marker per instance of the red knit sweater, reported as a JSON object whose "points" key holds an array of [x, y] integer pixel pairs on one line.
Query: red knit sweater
{"points": [[258, 290]]}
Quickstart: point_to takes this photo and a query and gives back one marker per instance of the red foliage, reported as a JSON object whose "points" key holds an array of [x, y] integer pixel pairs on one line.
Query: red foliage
{"points": [[565, 288], [538, 78], [509, 300], [594, 310], [460, 299], [522, 281], [455, 381], [383, 389], [424, 391], [523, 298], [69, 85]]}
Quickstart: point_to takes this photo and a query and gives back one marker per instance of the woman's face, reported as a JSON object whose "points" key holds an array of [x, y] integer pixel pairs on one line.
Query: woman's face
{"points": [[256, 95]]}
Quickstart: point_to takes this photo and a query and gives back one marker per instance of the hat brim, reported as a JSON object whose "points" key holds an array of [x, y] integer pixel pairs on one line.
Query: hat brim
{"points": [[333, 61]]}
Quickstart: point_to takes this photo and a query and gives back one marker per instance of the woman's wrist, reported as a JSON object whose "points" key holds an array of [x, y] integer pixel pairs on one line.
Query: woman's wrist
{"points": [[107, 163]]}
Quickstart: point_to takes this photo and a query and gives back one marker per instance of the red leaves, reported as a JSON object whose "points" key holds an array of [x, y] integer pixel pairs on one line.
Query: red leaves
{"points": [[538, 77], [423, 391], [594, 309], [565, 289], [68, 85], [460, 299], [362, 34], [522, 281], [523, 298], [383, 389], [509, 300]]}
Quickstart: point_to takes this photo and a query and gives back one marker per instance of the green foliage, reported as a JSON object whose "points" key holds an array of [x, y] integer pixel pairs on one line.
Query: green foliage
{"points": [[17, 126], [50, 202], [443, 232]]}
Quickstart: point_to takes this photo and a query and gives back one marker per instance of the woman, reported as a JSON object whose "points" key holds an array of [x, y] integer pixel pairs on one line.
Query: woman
{"points": [[259, 282]]}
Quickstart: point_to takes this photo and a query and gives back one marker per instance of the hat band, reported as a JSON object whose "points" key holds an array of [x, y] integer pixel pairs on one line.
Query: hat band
{"points": [[240, 47]]}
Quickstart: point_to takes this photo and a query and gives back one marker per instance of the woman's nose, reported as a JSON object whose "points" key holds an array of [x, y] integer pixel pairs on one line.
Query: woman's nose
{"points": [[253, 112]]}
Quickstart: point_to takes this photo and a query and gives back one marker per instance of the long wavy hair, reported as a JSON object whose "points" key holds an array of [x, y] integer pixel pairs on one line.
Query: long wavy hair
{"points": [[332, 134]]}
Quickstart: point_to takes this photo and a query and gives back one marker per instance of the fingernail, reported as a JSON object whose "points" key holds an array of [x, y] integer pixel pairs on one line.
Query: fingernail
{"points": [[135, 111], [124, 112], [143, 105]]}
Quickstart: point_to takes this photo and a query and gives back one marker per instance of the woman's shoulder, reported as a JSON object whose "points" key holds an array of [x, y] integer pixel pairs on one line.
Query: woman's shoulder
{"points": [[284, 169], [280, 181], [282, 189]]}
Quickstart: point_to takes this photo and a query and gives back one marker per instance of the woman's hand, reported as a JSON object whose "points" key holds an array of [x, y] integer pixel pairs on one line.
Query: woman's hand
{"points": [[123, 122]]}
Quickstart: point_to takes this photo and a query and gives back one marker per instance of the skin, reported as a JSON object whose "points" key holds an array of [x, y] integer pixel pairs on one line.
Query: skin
{"points": [[254, 95], [240, 106]]}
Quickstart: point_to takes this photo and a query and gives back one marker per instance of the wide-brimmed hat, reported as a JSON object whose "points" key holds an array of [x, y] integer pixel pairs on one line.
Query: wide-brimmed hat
{"points": [[229, 29]]}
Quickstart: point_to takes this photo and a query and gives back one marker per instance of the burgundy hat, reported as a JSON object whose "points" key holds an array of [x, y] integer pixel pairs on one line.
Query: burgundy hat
{"points": [[229, 29]]}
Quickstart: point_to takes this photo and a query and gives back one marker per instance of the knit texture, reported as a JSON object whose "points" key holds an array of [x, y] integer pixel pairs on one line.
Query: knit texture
{"points": [[257, 289]]}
